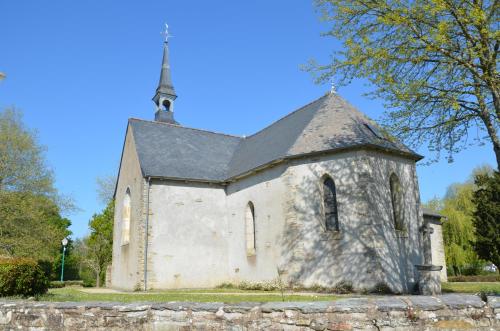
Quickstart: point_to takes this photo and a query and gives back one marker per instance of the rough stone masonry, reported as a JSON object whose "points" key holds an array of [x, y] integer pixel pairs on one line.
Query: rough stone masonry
{"points": [[446, 312]]}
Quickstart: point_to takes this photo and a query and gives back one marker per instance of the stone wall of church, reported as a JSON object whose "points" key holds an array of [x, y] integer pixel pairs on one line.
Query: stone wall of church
{"points": [[197, 231], [367, 250], [126, 270], [188, 241], [266, 190]]}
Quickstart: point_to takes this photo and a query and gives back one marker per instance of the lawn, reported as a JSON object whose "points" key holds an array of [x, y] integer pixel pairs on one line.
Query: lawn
{"points": [[228, 295], [215, 295], [472, 287]]}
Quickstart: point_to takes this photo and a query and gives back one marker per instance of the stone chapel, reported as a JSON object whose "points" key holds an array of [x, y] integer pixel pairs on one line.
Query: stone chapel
{"points": [[321, 196]]}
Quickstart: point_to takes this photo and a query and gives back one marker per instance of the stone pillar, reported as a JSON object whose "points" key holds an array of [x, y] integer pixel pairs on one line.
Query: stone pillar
{"points": [[429, 279], [429, 275], [426, 234]]}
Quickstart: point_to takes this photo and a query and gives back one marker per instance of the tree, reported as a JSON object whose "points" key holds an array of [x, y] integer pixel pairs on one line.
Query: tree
{"points": [[487, 217], [458, 228], [105, 188], [434, 62], [99, 244], [31, 224], [22, 159]]}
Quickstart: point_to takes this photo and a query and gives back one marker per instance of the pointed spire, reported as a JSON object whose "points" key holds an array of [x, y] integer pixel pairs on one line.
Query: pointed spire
{"points": [[165, 85], [165, 92]]}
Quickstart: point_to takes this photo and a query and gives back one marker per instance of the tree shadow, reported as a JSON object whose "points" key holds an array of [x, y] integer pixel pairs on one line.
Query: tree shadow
{"points": [[367, 250]]}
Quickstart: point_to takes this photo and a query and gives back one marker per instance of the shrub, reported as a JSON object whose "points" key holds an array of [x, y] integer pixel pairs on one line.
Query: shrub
{"points": [[343, 287], [56, 284], [21, 277], [381, 288], [226, 285]]}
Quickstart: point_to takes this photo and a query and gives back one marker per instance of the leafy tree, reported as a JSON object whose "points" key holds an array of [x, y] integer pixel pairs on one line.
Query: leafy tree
{"points": [[31, 224], [458, 229], [99, 244], [105, 188], [487, 217], [434, 62], [22, 159]]}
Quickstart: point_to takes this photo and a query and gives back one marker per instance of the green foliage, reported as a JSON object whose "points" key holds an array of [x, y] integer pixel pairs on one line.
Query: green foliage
{"points": [[98, 246], [434, 62], [22, 160], [56, 284], [21, 277], [31, 224], [487, 217], [458, 228]]}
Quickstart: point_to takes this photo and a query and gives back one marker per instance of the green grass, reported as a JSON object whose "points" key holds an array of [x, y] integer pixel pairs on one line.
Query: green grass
{"points": [[472, 287], [212, 295]]}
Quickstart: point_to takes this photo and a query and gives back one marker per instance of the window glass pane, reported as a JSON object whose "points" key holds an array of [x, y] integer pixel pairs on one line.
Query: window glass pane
{"points": [[330, 205], [250, 229]]}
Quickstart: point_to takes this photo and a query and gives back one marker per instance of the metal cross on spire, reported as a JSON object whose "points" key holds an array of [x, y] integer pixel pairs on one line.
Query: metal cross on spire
{"points": [[333, 89], [167, 35]]}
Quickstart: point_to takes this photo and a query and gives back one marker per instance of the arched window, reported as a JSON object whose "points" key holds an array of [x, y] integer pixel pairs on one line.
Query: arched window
{"points": [[397, 202], [250, 229], [126, 218], [330, 213]]}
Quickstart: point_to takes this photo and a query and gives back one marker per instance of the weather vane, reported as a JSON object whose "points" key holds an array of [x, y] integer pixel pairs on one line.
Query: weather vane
{"points": [[167, 35], [333, 89]]}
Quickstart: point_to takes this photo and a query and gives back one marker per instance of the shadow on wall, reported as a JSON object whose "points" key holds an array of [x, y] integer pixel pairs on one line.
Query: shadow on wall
{"points": [[367, 250]]}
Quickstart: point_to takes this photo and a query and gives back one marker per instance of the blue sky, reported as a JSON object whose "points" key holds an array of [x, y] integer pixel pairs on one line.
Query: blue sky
{"points": [[79, 69]]}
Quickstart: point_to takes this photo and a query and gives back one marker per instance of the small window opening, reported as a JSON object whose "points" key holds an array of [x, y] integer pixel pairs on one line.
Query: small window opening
{"points": [[126, 218], [250, 229], [330, 211], [397, 202]]}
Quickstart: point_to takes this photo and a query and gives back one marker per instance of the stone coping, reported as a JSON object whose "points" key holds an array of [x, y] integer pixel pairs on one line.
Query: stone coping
{"points": [[345, 305]]}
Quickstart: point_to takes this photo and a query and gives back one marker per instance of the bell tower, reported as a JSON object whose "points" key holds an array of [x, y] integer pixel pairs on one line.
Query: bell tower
{"points": [[165, 94]]}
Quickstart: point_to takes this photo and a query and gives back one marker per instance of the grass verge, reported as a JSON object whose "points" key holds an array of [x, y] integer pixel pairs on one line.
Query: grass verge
{"points": [[229, 296], [472, 287]]}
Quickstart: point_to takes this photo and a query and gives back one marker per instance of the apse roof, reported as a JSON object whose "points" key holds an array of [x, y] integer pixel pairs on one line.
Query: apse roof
{"points": [[327, 124]]}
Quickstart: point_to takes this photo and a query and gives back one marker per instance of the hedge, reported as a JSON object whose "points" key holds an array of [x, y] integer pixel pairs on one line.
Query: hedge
{"points": [[478, 278], [21, 276]]}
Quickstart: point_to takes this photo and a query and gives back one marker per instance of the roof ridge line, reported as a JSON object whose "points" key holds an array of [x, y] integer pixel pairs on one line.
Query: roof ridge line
{"points": [[186, 127], [287, 115]]}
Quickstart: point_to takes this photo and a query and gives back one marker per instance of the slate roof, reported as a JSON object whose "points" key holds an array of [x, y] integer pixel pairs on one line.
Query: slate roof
{"points": [[172, 151], [327, 124]]}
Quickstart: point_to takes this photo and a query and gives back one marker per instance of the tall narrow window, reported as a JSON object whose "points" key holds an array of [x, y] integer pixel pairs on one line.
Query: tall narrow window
{"points": [[397, 202], [126, 218], [250, 229], [330, 205]]}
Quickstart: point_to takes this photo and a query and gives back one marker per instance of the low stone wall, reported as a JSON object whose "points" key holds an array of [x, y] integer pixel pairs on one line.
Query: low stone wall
{"points": [[452, 312]]}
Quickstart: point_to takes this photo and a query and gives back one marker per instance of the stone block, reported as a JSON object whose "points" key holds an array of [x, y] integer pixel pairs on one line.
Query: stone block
{"points": [[459, 301], [429, 279]]}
